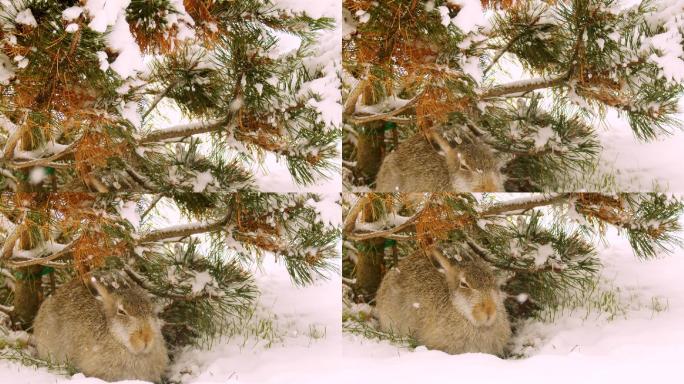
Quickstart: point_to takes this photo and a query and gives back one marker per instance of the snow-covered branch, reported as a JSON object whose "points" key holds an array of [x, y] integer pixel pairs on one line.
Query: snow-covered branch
{"points": [[525, 203], [65, 250], [385, 115], [524, 86], [47, 161], [15, 135], [185, 230], [387, 233], [11, 239], [185, 130]]}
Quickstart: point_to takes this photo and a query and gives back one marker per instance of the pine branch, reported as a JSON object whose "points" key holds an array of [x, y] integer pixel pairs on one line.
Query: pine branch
{"points": [[48, 161], [141, 281], [12, 238], [350, 220], [354, 94], [152, 205], [157, 99], [185, 130], [508, 46], [525, 204], [186, 230], [388, 233], [385, 115], [43, 260], [14, 138], [524, 86], [488, 257]]}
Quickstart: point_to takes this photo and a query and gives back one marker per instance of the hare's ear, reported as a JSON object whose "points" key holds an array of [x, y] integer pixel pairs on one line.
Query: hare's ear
{"points": [[98, 289], [441, 260]]}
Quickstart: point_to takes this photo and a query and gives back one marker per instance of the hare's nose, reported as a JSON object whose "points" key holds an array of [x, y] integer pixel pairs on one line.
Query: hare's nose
{"points": [[489, 309]]}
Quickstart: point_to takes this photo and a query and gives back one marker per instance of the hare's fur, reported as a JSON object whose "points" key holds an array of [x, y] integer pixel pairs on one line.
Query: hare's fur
{"points": [[77, 327], [416, 166], [415, 299]]}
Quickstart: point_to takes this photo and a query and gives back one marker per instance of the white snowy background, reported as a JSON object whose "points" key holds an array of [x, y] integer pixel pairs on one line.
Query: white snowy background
{"points": [[637, 338]]}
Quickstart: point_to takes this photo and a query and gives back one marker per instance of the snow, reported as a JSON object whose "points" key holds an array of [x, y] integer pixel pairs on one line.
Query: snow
{"points": [[120, 40], [128, 211], [200, 281], [25, 17], [300, 341], [641, 166], [37, 175], [293, 336], [470, 16], [72, 13], [202, 180], [130, 112], [71, 28], [6, 69], [641, 342], [103, 13]]}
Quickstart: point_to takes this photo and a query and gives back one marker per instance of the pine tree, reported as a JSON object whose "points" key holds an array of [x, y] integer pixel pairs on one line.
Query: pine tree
{"points": [[196, 271], [543, 245], [415, 66], [82, 84]]}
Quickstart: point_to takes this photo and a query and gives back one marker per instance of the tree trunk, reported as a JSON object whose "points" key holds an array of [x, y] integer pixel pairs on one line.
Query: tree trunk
{"points": [[369, 152], [370, 144], [370, 263], [28, 292]]}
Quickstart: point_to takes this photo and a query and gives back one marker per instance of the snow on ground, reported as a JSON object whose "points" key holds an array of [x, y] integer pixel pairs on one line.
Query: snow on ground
{"points": [[641, 166], [306, 338], [302, 326], [643, 342]]}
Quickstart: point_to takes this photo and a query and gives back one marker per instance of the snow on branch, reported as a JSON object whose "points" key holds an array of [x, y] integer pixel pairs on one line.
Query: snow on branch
{"points": [[57, 251], [11, 239], [15, 135], [185, 130], [386, 115], [47, 161], [526, 203], [524, 86], [185, 230]]}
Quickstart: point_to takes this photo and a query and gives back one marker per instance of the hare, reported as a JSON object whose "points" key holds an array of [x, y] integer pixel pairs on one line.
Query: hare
{"points": [[110, 333], [415, 166], [457, 310]]}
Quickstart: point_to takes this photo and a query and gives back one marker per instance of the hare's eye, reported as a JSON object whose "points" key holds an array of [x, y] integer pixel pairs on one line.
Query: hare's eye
{"points": [[464, 284], [121, 311]]}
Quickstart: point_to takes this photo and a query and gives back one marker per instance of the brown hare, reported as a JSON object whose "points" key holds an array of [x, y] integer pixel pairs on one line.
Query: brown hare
{"points": [[416, 166], [111, 332], [457, 309]]}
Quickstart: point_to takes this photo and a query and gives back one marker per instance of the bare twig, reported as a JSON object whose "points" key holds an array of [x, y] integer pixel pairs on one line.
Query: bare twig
{"points": [[152, 205], [157, 99]]}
